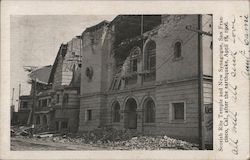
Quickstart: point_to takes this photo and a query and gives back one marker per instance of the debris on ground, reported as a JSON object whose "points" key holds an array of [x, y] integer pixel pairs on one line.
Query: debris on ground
{"points": [[119, 139], [20, 130]]}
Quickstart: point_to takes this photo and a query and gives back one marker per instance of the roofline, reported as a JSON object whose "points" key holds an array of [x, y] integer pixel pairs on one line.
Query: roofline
{"points": [[41, 82], [55, 63], [94, 27], [40, 68], [25, 97]]}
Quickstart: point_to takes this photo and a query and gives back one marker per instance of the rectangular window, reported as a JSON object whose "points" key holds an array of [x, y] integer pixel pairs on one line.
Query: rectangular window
{"points": [[178, 111], [39, 103], [44, 102], [57, 126], [25, 104], [89, 115], [134, 65], [65, 98], [57, 98], [64, 125]]}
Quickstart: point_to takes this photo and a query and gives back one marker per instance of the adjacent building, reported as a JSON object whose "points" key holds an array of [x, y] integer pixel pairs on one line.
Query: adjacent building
{"points": [[65, 87], [54, 99], [21, 117]]}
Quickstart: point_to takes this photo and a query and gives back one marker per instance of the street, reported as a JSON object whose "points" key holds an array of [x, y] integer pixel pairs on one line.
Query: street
{"points": [[20, 144]]}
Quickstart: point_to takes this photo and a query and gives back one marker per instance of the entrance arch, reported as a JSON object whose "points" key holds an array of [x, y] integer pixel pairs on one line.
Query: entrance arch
{"points": [[130, 117]]}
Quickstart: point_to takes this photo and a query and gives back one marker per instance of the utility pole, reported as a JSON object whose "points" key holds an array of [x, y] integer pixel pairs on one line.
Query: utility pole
{"points": [[12, 108], [31, 115], [19, 94], [200, 87], [34, 102], [30, 120], [142, 112], [12, 98], [201, 113]]}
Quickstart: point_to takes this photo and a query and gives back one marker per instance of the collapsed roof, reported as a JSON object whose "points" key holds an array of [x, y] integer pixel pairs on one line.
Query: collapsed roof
{"points": [[129, 30], [62, 51], [41, 75]]}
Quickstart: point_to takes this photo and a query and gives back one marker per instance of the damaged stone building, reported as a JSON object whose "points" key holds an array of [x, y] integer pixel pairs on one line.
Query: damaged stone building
{"points": [[149, 73], [38, 81], [143, 73], [56, 101], [65, 86]]}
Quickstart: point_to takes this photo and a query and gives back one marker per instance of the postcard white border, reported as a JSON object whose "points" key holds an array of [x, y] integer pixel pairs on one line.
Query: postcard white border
{"points": [[101, 8]]}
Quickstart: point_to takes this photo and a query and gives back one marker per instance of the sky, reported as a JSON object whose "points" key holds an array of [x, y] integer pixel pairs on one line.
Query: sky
{"points": [[35, 40]]}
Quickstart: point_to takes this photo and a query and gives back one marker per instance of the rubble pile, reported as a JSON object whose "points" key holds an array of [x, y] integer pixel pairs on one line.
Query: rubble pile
{"points": [[20, 130], [124, 140], [119, 139], [153, 143], [104, 135]]}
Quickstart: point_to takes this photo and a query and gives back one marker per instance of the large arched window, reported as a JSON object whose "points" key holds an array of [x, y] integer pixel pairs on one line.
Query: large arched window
{"points": [[150, 55], [116, 112], [149, 111], [177, 49], [38, 119]]}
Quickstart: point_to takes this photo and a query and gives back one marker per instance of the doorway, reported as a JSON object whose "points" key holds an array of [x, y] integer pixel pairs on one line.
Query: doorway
{"points": [[130, 114]]}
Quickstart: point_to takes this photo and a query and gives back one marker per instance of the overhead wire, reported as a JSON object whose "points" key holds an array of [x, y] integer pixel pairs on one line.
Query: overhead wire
{"points": [[167, 58], [183, 44]]}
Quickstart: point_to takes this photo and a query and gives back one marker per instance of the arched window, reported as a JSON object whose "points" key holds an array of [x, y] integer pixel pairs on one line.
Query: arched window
{"points": [[116, 112], [135, 52], [150, 55], [38, 119], [177, 49], [149, 111], [44, 120]]}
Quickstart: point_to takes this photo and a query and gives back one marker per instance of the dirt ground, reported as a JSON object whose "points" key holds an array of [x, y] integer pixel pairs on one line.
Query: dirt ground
{"points": [[21, 144]]}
